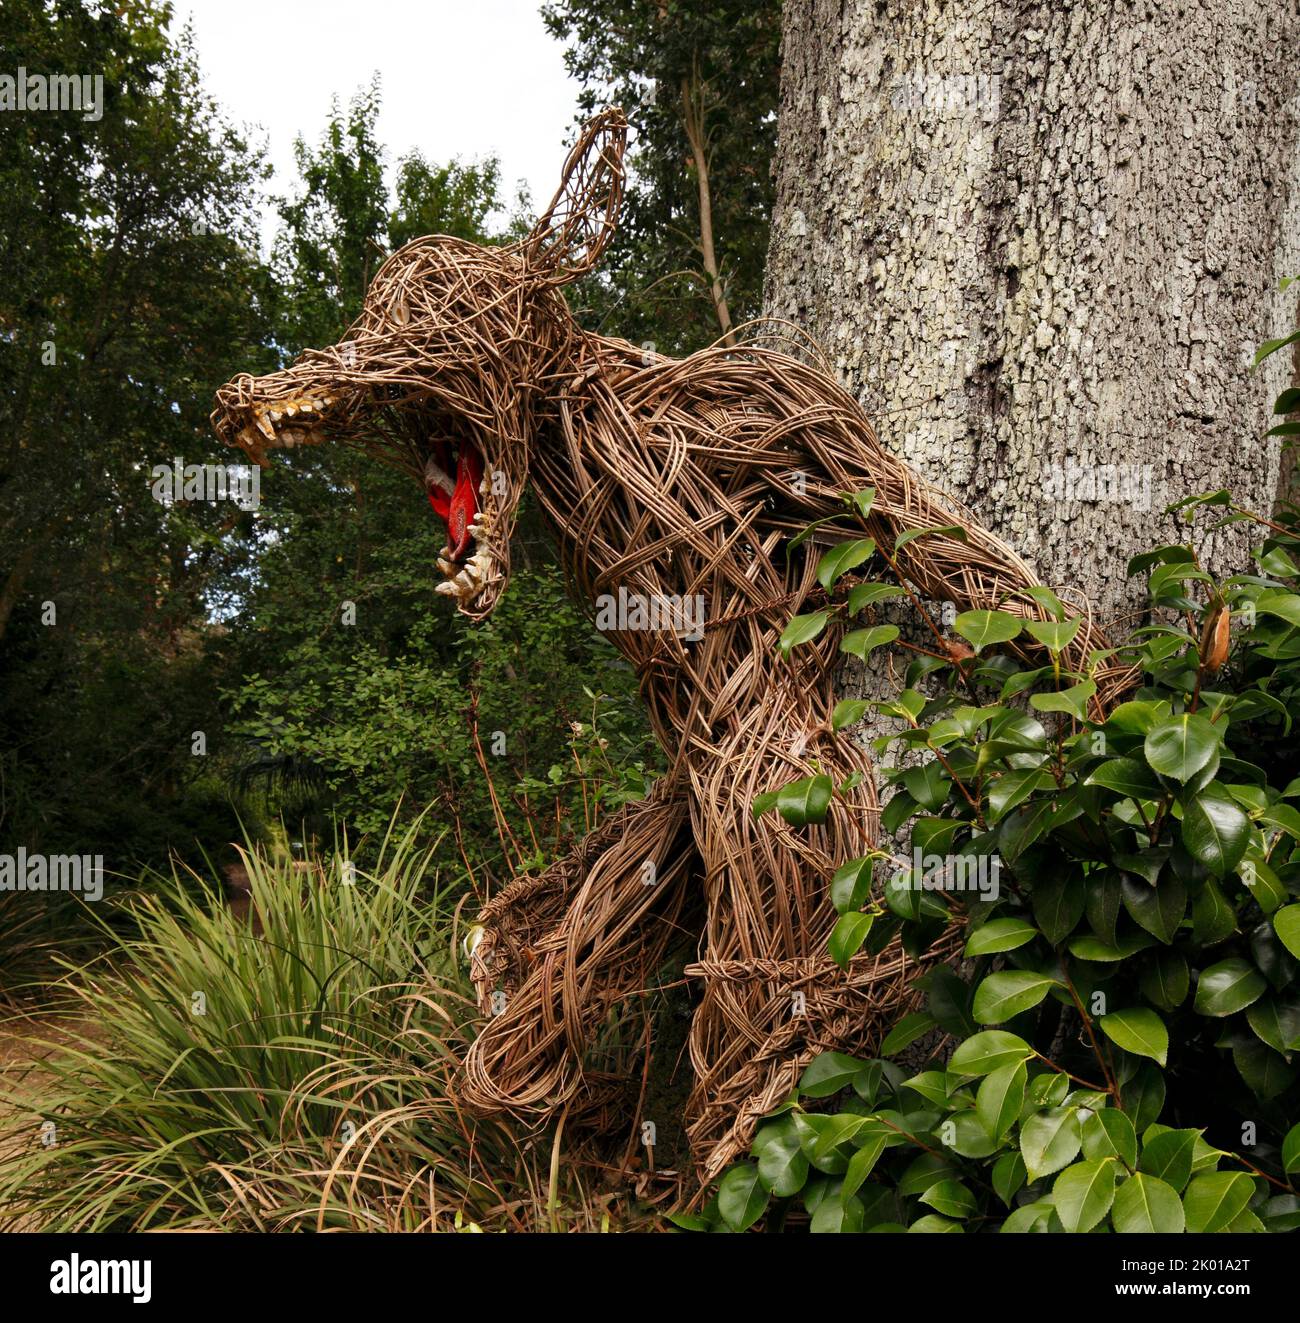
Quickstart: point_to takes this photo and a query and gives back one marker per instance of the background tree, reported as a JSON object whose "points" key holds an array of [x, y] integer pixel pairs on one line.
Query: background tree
{"points": [[1038, 235], [129, 289], [699, 86]]}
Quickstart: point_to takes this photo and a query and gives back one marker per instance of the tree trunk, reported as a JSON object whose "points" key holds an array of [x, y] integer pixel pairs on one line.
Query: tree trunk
{"points": [[1044, 241]]}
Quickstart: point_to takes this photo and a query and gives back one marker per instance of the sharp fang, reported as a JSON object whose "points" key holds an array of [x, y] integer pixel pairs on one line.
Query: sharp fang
{"points": [[447, 586], [446, 566]]}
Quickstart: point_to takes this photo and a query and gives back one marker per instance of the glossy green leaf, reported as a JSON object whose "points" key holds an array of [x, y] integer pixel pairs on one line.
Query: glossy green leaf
{"points": [[1291, 1150], [999, 935], [1181, 746], [837, 1215], [741, 1197], [869, 1148], [1126, 776], [1286, 923], [1000, 1097], [1215, 830], [805, 801], [1139, 1031], [1050, 1140], [802, 629], [988, 1051], [828, 1073], [982, 628], [847, 936], [861, 642], [868, 594], [1144, 1204], [1168, 1155], [851, 884], [782, 1165], [1158, 909], [1165, 980], [1004, 995], [950, 1198], [1214, 1199], [906, 1032], [842, 558], [1228, 987], [1083, 1193], [1008, 1176], [1108, 1132], [1055, 635], [1072, 701]]}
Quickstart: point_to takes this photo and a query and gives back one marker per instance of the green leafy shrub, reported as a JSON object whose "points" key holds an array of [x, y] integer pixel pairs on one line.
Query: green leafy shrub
{"points": [[1117, 1048]]}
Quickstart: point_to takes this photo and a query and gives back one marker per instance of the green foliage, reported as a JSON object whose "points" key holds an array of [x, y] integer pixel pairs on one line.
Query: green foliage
{"points": [[129, 291], [456, 715], [650, 59], [127, 625], [1119, 1049], [284, 1070]]}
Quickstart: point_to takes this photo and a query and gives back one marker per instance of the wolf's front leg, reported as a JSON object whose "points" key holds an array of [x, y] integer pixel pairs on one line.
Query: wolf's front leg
{"points": [[772, 996], [564, 949]]}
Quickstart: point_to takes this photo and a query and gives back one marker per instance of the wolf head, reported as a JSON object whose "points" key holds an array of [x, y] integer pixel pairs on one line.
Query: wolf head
{"points": [[443, 373]]}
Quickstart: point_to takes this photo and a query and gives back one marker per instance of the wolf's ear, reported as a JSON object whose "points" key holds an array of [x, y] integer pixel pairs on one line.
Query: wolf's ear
{"points": [[576, 228]]}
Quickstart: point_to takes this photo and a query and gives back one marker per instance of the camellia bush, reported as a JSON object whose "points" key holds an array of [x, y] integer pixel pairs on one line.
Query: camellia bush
{"points": [[1117, 1048]]}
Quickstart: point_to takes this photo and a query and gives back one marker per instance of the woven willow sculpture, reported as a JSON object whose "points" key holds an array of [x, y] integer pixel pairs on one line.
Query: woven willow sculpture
{"points": [[666, 481]]}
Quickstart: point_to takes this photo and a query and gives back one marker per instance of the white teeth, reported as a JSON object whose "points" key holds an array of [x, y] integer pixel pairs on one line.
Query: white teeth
{"points": [[291, 409], [276, 415]]}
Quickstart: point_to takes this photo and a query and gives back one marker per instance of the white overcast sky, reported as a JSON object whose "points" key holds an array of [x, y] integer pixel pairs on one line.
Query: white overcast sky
{"points": [[467, 78]]}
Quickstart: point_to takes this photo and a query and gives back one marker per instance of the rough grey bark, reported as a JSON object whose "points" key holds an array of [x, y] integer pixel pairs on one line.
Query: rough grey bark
{"points": [[1037, 234]]}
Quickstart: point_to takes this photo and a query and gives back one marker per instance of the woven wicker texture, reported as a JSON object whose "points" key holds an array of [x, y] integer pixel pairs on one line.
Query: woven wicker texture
{"points": [[667, 482]]}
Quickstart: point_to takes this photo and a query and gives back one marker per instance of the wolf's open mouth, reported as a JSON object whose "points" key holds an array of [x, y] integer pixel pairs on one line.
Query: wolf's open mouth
{"points": [[465, 504], [453, 471]]}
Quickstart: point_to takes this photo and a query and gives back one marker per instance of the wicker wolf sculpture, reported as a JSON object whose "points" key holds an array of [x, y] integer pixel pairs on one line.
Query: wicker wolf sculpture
{"points": [[667, 482]]}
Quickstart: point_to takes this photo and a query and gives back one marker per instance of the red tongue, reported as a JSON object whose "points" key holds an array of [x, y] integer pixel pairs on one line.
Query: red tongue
{"points": [[459, 509]]}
